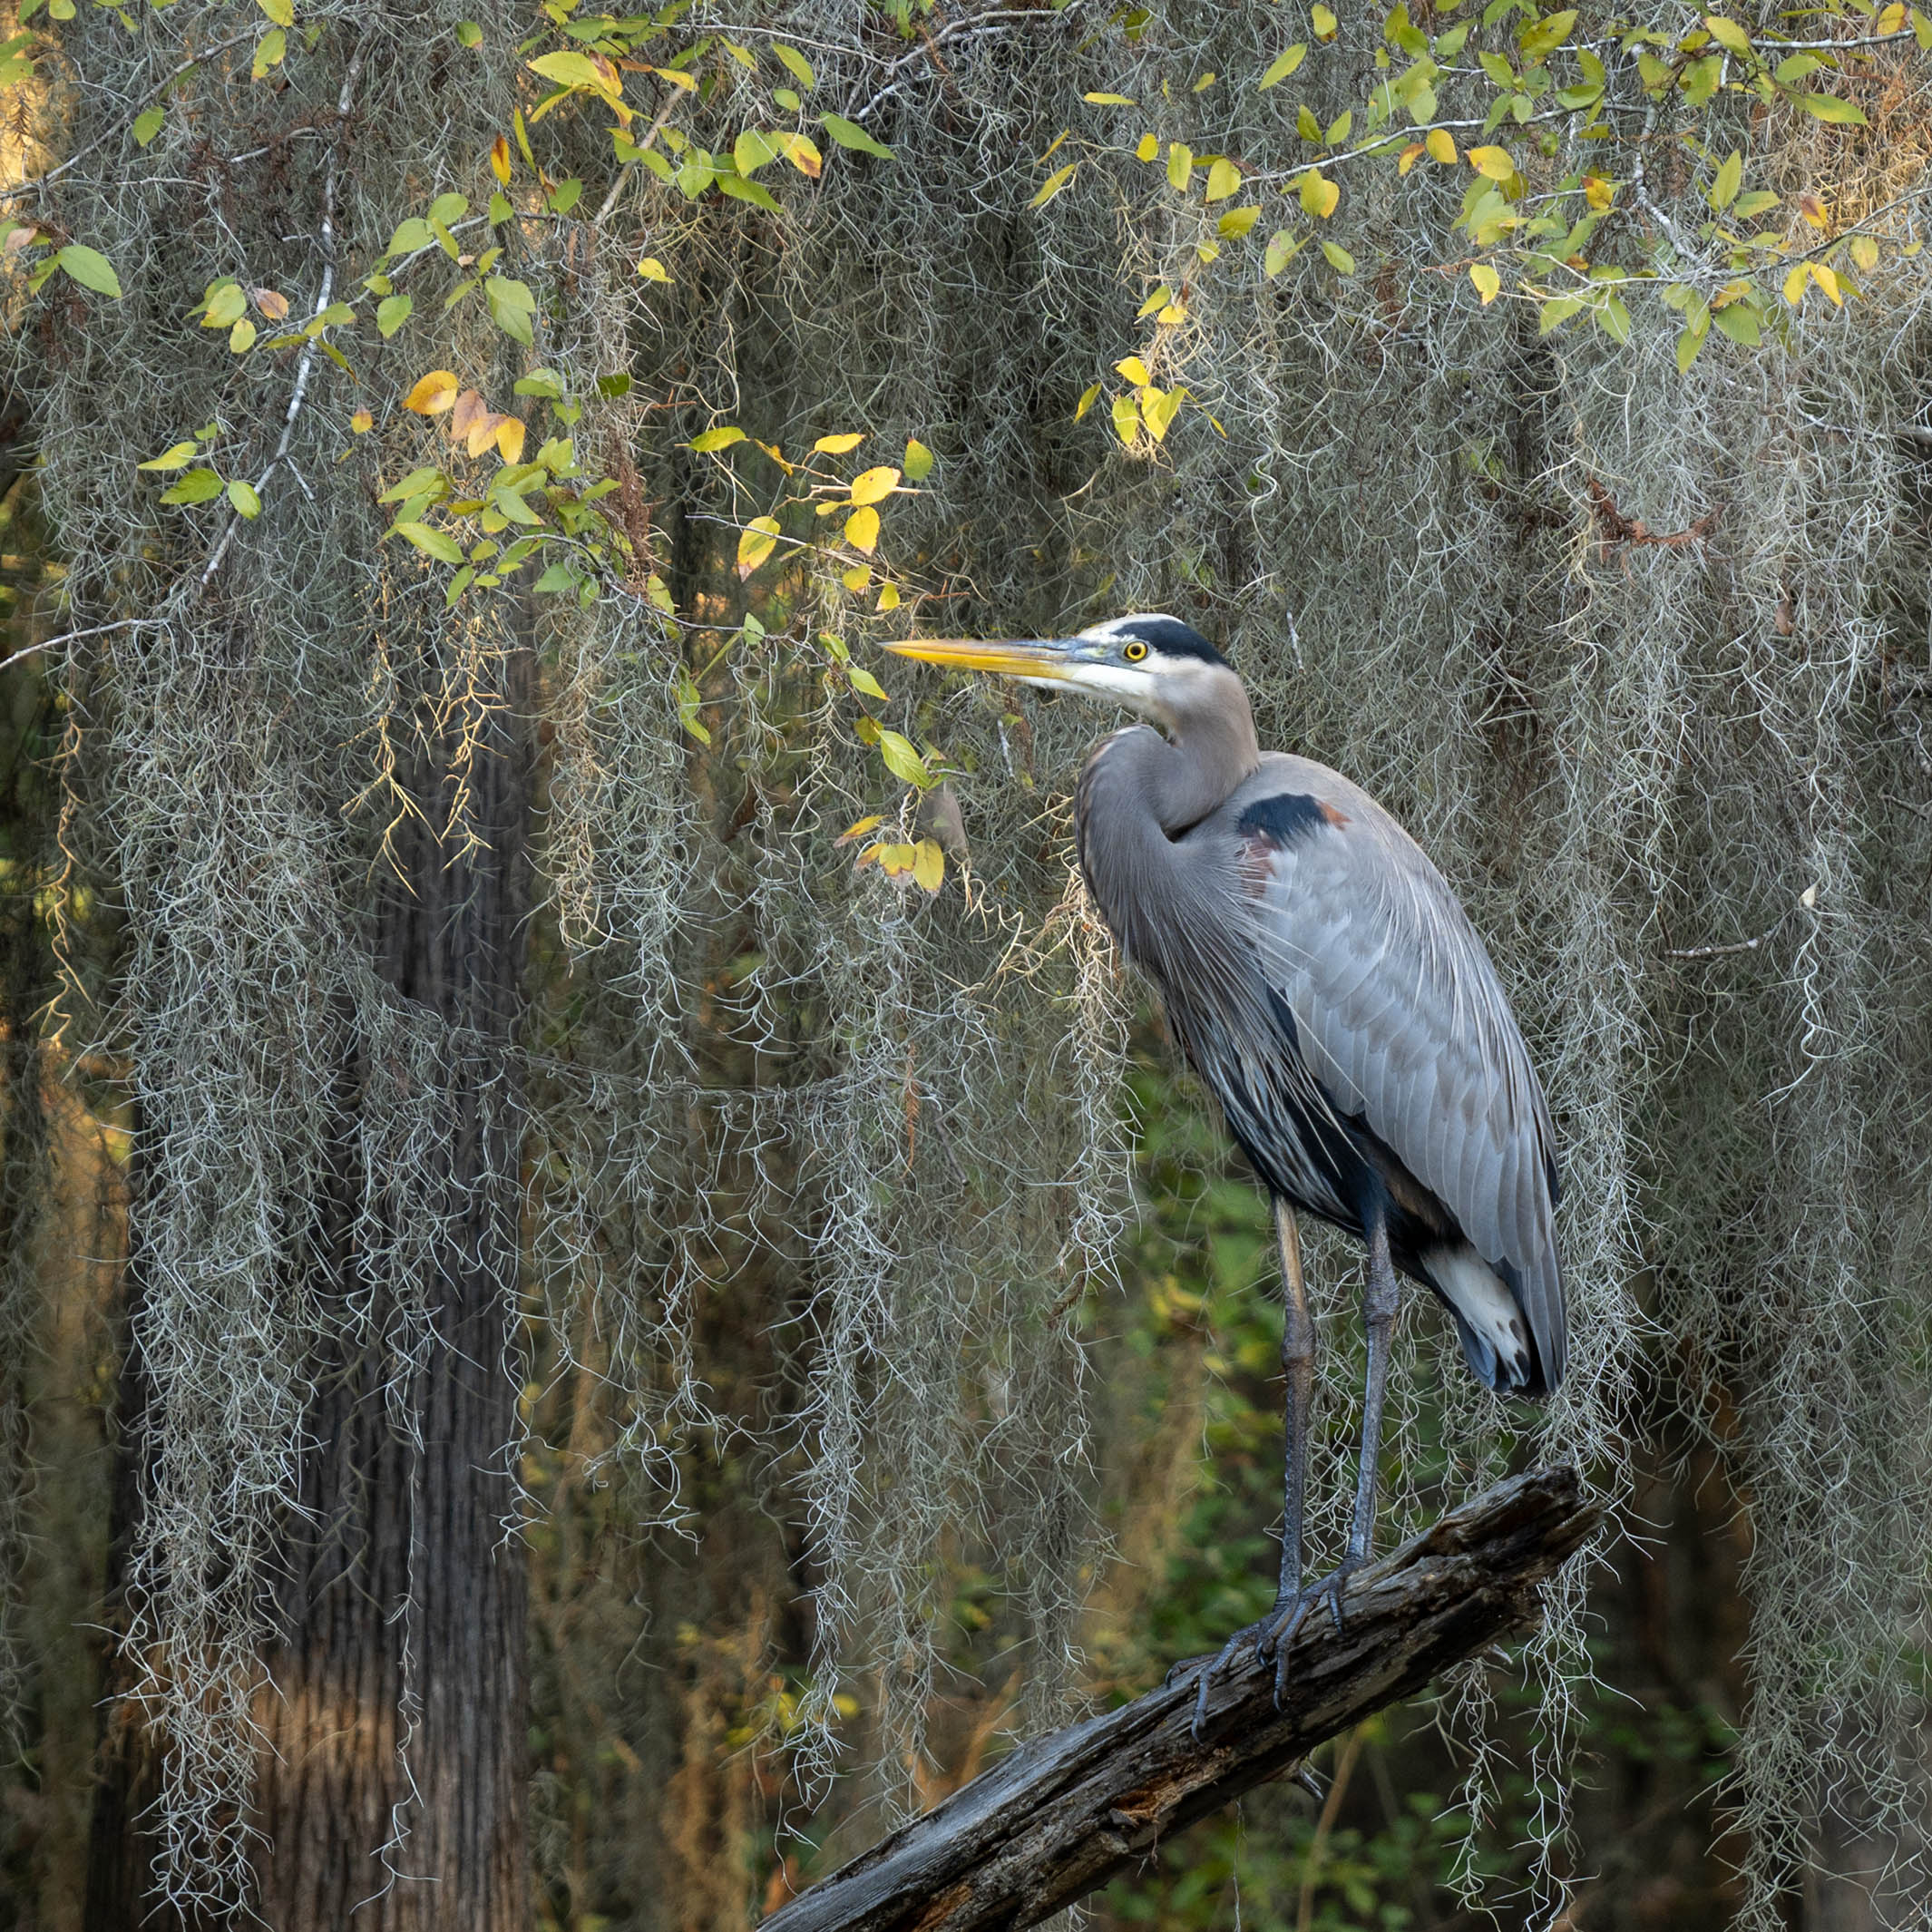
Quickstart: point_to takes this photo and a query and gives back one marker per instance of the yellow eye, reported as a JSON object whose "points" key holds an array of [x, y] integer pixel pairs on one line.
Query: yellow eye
{"points": [[1134, 651]]}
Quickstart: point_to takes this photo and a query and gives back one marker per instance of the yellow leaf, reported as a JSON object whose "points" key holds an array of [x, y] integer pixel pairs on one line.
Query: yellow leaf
{"points": [[1127, 418], [1089, 397], [858, 829], [499, 159], [918, 460], [1441, 146], [1892, 20], [1180, 164], [1409, 156], [653, 270], [177, 458], [1598, 193], [1323, 22], [1106, 99], [362, 422], [755, 543], [434, 394], [888, 596], [1280, 68], [1135, 370], [1158, 408], [510, 438], [874, 486], [862, 530], [281, 11], [269, 51], [1052, 185], [1158, 299], [1172, 317], [1223, 179], [1319, 194], [1794, 283], [241, 337], [857, 578], [1146, 148], [929, 865], [272, 305], [1865, 253], [1487, 281], [1827, 279], [837, 445], [1495, 164]]}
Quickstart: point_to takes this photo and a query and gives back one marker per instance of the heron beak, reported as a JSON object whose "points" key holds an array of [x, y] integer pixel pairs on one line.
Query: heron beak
{"points": [[1047, 659]]}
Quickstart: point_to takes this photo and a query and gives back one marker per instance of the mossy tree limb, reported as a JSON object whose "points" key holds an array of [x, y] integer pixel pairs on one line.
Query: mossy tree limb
{"points": [[1066, 1813]]}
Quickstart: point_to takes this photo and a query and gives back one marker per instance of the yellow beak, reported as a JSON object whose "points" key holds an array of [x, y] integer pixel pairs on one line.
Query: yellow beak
{"points": [[1012, 658]]}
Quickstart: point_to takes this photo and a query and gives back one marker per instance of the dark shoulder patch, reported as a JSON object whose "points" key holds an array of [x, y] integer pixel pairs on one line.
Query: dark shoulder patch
{"points": [[1286, 818]]}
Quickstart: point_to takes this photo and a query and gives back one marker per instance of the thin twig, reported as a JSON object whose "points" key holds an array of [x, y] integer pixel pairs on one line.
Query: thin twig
{"points": [[324, 295], [159, 87], [69, 636]]}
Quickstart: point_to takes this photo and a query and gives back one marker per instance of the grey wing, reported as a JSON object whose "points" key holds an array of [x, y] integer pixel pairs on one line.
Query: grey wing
{"points": [[1404, 1023]]}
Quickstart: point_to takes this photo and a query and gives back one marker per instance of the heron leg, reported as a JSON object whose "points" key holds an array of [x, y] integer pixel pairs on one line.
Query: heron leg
{"points": [[1298, 1370], [1379, 1296]]}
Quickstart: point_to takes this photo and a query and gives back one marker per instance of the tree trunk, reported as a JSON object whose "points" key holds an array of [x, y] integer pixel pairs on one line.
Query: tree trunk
{"points": [[394, 1775]]}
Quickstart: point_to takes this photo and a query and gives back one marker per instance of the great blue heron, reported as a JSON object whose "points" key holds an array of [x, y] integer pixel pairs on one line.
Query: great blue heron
{"points": [[1321, 976]]}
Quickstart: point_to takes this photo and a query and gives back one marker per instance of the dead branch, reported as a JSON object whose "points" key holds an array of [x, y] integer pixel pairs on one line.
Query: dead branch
{"points": [[1064, 1813]]}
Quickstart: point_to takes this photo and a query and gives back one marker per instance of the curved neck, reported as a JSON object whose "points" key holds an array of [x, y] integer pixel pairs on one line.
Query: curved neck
{"points": [[1210, 748]]}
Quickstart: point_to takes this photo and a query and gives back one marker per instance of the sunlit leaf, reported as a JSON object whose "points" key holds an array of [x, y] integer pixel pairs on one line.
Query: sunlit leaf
{"points": [[1135, 370], [1441, 146], [241, 337], [1052, 185], [902, 759], [862, 530], [839, 444], [861, 679], [716, 439], [757, 542], [281, 13], [1146, 148], [270, 53], [1319, 195], [1127, 418], [1495, 164], [874, 486], [1487, 282], [653, 270], [796, 65], [1284, 64], [197, 487], [1089, 397], [435, 392], [362, 422], [1237, 222], [1281, 252], [1180, 164], [509, 434], [1323, 22], [1106, 99], [1223, 179], [499, 159], [918, 460], [1830, 107], [178, 457], [928, 865]]}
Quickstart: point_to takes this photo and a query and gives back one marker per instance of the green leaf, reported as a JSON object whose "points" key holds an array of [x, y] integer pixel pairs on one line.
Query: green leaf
{"points": [[281, 13], [558, 577], [1223, 179], [918, 460], [850, 135], [1053, 184], [1757, 202], [1728, 34], [512, 305], [245, 498], [428, 478], [197, 487], [88, 268], [716, 439], [270, 51], [392, 313], [739, 190], [578, 72], [796, 65], [546, 383], [468, 34], [1180, 164], [147, 125], [1740, 321], [1237, 222], [1831, 108], [410, 236], [1544, 36], [1688, 344], [1339, 258], [688, 700], [445, 209], [1284, 64], [902, 760], [1729, 178], [431, 542]]}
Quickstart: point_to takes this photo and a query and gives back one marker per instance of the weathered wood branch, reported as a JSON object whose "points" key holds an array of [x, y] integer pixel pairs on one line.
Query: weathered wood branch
{"points": [[1064, 1813]]}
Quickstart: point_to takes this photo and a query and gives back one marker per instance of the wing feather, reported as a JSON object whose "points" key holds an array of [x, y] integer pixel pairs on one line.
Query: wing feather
{"points": [[1404, 1021]]}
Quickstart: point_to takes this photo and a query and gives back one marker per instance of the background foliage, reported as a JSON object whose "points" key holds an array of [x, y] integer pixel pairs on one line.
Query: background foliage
{"points": [[1533, 402]]}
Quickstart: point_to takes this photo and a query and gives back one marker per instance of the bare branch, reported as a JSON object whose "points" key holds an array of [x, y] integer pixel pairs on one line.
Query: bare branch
{"points": [[1066, 1813]]}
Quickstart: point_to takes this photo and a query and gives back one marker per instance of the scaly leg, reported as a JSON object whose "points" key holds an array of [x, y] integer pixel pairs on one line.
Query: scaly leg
{"points": [[1298, 1370]]}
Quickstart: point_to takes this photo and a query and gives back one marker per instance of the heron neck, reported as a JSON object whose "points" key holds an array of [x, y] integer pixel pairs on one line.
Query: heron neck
{"points": [[1210, 748]]}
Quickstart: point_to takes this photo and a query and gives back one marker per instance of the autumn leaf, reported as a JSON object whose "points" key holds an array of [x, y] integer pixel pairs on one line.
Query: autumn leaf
{"points": [[435, 392], [874, 486], [759, 538], [862, 530]]}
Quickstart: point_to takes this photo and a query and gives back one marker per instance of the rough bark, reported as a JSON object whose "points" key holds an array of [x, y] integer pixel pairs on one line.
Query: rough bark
{"points": [[392, 1788], [1066, 1813]]}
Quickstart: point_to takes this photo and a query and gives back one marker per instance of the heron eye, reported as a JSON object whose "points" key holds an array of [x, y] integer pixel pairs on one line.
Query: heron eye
{"points": [[1134, 651]]}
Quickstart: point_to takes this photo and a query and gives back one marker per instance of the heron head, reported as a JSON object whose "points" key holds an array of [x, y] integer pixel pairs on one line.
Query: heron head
{"points": [[1155, 665]]}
